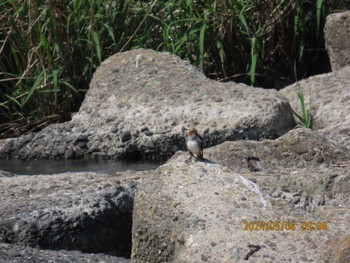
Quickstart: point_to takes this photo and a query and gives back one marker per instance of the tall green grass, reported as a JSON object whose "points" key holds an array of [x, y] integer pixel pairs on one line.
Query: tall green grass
{"points": [[49, 49]]}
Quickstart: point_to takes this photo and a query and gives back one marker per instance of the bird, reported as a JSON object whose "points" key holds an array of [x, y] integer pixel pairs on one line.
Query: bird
{"points": [[194, 143]]}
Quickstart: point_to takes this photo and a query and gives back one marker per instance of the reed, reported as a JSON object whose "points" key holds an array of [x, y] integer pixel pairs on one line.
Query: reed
{"points": [[48, 53]]}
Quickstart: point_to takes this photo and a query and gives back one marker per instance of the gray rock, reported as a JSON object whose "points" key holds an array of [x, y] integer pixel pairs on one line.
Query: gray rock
{"points": [[187, 210], [143, 100], [3, 142], [341, 250], [72, 211], [328, 97], [23, 254], [301, 167], [5, 174], [68, 154], [202, 217], [315, 190], [337, 39], [126, 136], [299, 148]]}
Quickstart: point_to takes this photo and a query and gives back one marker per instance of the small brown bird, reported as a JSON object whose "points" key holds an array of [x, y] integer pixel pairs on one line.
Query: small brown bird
{"points": [[194, 143]]}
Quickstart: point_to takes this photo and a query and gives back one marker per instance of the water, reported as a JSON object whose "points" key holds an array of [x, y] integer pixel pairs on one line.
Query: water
{"points": [[33, 167]]}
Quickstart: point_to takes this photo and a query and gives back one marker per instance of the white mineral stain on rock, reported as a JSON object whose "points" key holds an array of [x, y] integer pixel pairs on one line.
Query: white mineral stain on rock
{"points": [[255, 188]]}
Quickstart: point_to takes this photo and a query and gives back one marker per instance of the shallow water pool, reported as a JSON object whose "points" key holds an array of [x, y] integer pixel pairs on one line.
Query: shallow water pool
{"points": [[33, 167]]}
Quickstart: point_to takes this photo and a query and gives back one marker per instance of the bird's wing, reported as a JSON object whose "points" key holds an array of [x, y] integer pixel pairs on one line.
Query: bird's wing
{"points": [[202, 141]]}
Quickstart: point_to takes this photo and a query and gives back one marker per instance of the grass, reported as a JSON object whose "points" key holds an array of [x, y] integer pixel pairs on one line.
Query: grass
{"points": [[305, 117], [49, 49]]}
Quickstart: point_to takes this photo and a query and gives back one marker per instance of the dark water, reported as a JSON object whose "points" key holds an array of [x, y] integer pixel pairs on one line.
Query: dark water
{"points": [[32, 167]]}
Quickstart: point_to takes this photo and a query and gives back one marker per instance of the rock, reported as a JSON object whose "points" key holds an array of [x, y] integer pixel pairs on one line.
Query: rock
{"points": [[340, 250], [312, 190], [299, 148], [200, 209], [88, 212], [141, 101], [337, 39], [302, 167], [328, 97], [68, 154], [3, 142], [126, 136], [23, 254], [5, 174]]}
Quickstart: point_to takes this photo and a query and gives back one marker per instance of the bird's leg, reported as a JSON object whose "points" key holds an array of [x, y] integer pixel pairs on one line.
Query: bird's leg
{"points": [[200, 154]]}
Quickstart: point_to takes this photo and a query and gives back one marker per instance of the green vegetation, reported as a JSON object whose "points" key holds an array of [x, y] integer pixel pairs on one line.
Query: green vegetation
{"points": [[50, 49], [305, 118]]}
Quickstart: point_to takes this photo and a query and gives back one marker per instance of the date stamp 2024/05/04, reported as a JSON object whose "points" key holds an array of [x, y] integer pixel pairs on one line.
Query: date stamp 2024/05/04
{"points": [[285, 226]]}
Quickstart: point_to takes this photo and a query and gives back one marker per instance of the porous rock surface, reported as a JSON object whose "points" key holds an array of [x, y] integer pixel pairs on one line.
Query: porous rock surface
{"points": [[88, 212], [341, 249], [337, 39], [328, 98], [300, 171], [24, 254], [301, 167], [5, 174], [298, 148], [195, 211], [139, 104]]}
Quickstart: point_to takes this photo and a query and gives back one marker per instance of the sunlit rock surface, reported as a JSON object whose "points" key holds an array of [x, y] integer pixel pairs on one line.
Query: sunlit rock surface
{"points": [[139, 104], [327, 96], [195, 211], [337, 39]]}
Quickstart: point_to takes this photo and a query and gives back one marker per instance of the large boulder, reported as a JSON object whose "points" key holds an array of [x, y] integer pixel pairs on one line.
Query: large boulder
{"points": [[303, 171], [301, 168], [195, 211], [299, 148], [337, 39], [88, 212], [139, 104], [328, 98]]}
